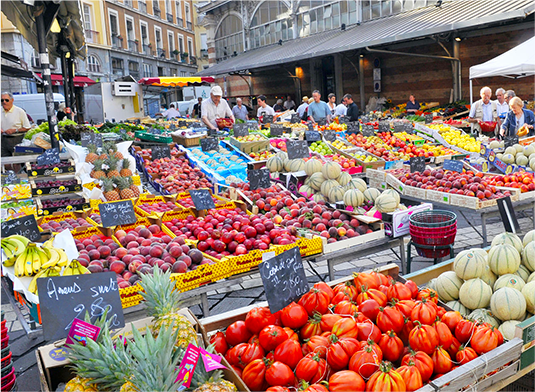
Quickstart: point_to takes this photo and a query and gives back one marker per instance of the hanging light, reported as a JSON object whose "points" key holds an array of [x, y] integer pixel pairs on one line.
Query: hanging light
{"points": [[55, 28]]}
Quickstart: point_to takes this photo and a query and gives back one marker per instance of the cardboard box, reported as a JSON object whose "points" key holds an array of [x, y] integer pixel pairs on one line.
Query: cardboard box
{"points": [[439, 197], [397, 223], [378, 175], [50, 172], [47, 211], [395, 183], [412, 191]]}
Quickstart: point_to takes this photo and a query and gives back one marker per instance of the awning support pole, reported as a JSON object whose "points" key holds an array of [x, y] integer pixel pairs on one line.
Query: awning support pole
{"points": [[66, 85], [471, 93], [361, 84], [75, 101]]}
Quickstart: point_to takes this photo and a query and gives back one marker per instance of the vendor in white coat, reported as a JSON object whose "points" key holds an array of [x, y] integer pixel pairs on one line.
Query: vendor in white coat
{"points": [[215, 107]]}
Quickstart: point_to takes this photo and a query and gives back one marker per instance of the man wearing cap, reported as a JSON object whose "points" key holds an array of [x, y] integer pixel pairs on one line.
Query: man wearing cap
{"points": [[14, 123], [301, 109], [215, 107]]}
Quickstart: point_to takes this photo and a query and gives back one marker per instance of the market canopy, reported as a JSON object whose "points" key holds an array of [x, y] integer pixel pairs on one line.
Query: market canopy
{"points": [[79, 81], [176, 81], [515, 63]]}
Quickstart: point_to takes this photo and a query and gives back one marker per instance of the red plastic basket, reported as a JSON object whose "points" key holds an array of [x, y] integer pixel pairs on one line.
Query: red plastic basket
{"points": [[488, 126], [6, 361], [5, 341], [3, 332], [433, 228], [8, 381]]}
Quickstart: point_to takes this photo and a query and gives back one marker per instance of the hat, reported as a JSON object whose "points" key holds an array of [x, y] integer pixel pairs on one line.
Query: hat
{"points": [[305, 99], [311, 100], [216, 90]]}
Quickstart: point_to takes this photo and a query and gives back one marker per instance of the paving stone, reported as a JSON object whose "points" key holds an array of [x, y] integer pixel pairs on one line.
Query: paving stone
{"points": [[22, 345], [229, 289], [252, 283], [28, 379], [228, 304], [25, 362], [252, 292], [343, 266]]}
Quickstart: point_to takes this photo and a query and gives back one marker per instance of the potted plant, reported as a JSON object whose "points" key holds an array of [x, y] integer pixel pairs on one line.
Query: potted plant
{"points": [[120, 37], [176, 52], [150, 45], [184, 55], [136, 41]]}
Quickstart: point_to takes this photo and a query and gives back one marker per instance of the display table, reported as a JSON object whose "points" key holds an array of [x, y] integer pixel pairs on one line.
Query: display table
{"points": [[17, 159]]}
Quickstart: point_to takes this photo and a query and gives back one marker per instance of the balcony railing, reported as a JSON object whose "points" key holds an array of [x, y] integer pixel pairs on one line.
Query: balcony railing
{"points": [[147, 50], [91, 36], [160, 52], [170, 17], [142, 7], [156, 11], [116, 42], [193, 60], [189, 25], [128, 3], [132, 45], [180, 21], [118, 71]]}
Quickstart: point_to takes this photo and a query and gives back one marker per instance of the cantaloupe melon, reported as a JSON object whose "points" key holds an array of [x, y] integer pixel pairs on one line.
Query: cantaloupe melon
{"points": [[488, 276], [297, 165], [318, 197], [287, 165], [531, 278], [508, 158], [522, 160], [528, 150], [432, 284], [447, 286], [315, 181], [509, 280], [327, 186], [394, 194], [282, 155], [313, 166], [386, 203], [528, 291], [518, 147], [530, 236], [459, 307], [475, 294], [371, 194], [508, 329], [508, 238], [508, 304], [371, 212], [528, 256], [504, 259], [331, 170], [469, 265], [484, 316], [274, 164], [510, 150], [344, 178], [306, 190], [523, 272], [336, 193], [360, 183], [482, 252], [353, 198]]}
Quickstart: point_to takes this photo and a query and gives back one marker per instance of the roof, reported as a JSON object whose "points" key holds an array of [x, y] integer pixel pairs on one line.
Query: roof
{"points": [[451, 16], [79, 81]]}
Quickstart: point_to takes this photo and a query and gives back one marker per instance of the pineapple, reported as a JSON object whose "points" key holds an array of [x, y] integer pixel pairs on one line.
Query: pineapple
{"points": [[162, 301], [78, 384], [97, 171], [92, 156], [133, 187], [124, 188], [112, 165], [109, 192], [125, 171], [203, 381]]}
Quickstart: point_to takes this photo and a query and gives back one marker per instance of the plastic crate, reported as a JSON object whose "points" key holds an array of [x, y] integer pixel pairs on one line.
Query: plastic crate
{"points": [[434, 228], [153, 137], [6, 360], [5, 341]]}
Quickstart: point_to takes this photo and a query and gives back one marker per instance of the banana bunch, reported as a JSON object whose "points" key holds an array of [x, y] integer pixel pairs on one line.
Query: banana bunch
{"points": [[56, 256], [34, 259], [13, 246], [75, 268], [44, 273]]}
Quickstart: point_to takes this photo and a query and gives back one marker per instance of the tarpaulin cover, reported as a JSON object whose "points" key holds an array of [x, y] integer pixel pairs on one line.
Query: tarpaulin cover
{"points": [[176, 81]]}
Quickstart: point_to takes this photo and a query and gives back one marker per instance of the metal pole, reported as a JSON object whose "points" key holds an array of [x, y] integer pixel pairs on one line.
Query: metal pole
{"points": [[47, 80], [458, 76], [75, 102], [65, 74], [361, 83]]}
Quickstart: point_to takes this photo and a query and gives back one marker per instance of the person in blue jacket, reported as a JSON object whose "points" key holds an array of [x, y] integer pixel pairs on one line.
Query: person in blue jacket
{"points": [[516, 117]]}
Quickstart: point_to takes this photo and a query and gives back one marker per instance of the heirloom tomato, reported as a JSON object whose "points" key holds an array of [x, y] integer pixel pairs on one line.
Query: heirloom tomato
{"points": [[346, 380], [237, 333], [289, 352], [280, 374], [312, 368], [422, 361], [294, 316]]}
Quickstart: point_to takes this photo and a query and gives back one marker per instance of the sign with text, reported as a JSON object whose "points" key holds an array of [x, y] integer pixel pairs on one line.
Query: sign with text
{"points": [[209, 144], [417, 164], [162, 151], [258, 179], [240, 129], [10, 177], [384, 126], [295, 119], [353, 127], [297, 149], [117, 213], [312, 136], [97, 140], [49, 157], [428, 118], [407, 127], [63, 299], [329, 135], [399, 127], [343, 120], [322, 121], [507, 213], [510, 141], [276, 130], [202, 199], [284, 279], [453, 165], [87, 138], [267, 118], [182, 123], [364, 119], [367, 130], [25, 226]]}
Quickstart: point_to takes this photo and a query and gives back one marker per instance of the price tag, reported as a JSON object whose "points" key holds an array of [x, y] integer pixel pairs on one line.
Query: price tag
{"points": [[312, 136], [209, 144], [117, 213], [276, 130], [428, 118], [367, 130], [240, 130], [182, 123], [162, 151], [25, 226], [267, 118], [364, 119], [202, 199], [253, 125], [49, 157], [329, 135], [399, 127], [322, 121], [97, 140], [87, 138], [310, 126], [297, 149], [407, 127], [384, 126], [453, 165], [510, 141], [63, 299], [353, 127], [284, 279], [258, 179], [417, 164], [343, 120], [295, 119]]}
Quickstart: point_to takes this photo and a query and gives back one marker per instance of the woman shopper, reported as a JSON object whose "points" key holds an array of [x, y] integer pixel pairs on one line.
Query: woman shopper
{"points": [[516, 118]]}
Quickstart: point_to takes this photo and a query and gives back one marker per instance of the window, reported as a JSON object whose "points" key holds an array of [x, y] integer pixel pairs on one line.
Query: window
{"points": [[188, 14], [114, 24], [171, 43], [173, 71], [144, 28], [160, 52], [130, 34], [147, 70], [35, 59], [190, 47], [269, 11], [182, 73], [93, 65], [204, 44], [133, 69], [181, 43], [87, 16], [229, 37], [117, 66], [161, 71], [179, 20]]}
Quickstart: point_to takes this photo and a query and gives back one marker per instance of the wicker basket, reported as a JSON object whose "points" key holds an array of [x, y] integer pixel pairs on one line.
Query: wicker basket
{"points": [[40, 142], [187, 141]]}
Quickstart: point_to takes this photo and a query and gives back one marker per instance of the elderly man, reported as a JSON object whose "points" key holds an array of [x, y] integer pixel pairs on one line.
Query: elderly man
{"points": [[483, 110], [215, 107], [14, 123], [318, 109], [301, 109], [509, 94], [501, 105], [240, 111]]}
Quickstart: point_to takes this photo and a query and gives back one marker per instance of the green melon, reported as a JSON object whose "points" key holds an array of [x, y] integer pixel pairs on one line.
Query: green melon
{"points": [[394, 194], [344, 178], [522, 160], [331, 170], [508, 158], [528, 291], [448, 285], [360, 184], [482, 252], [509, 280], [469, 265], [484, 316], [315, 181], [306, 190], [458, 307], [297, 165], [508, 304], [523, 272], [274, 164], [475, 294], [488, 276], [282, 155], [504, 259], [287, 165], [508, 329], [313, 166], [528, 256], [318, 197], [510, 150], [530, 236], [508, 238], [494, 144], [432, 284], [371, 194], [386, 203], [353, 198], [336, 193], [518, 147], [531, 278], [327, 186]]}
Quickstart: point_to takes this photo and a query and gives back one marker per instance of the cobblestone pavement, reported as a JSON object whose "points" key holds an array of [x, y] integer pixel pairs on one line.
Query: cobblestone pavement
{"points": [[250, 291]]}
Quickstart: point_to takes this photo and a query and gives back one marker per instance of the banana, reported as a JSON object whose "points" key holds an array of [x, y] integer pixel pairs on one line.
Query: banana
{"points": [[12, 247], [53, 257], [31, 258], [9, 249], [63, 259], [68, 270], [48, 243], [33, 284], [83, 270], [21, 238], [20, 263], [38, 261]]}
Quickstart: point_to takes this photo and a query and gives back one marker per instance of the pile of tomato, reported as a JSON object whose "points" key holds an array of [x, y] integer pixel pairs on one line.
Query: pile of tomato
{"points": [[371, 333]]}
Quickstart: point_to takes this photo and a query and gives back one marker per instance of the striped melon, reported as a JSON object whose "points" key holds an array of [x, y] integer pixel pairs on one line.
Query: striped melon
{"points": [[344, 178], [313, 166], [530, 236], [336, 193], [488, 276], [282, 155], [318, 197], [274, 164], [509, 280], [447, 286], [508, 329], [331, 170], [432, 284], [372, 212], [386, 203], [458, 307], [306, 190], [371, 194], [353, 198], [504, 259], [297, 165], [484, 316], [508, 304], [475, 294], [469, 265], [523, 272], [531, 278], [528, 291], [482, 252], [360, 184], [315, 181], [507, 238], [528, 256], [287, 165], [327, 186], [394, 194]]}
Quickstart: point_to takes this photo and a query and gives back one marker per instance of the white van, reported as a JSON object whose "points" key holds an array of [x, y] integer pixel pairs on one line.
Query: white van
{"points": [[34, 104], [185, 107]]}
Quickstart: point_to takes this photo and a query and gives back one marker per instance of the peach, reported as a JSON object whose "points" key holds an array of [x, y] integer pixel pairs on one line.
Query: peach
{"points": [[120, 252], [156, 251], [94, 254], [154, 229], [118, 267], [145, 233], [179, 267]]}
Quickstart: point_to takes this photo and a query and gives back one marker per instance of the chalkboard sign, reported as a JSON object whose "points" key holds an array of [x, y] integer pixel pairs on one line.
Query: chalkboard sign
{"points": [[162, 151], [212, 132], [353, 127], [98, 140], [312, 136], [310, 126], [253, 125], [284, 279], [407, 127], [399, 127], [117, 213], [329, 135], [343, 120], [197, 125], [202, 199], [322, 121], [25, 226], [49, 157], [297, 149], [453, 165], [276, 130], [384, 126], [87, 138], [258, 178], [267, 118], [510, 141], [417, 164], [240, 129], [428, 118], [295, 119], [364, 119], [65, 298], [182, 123], [508, 215], [367, 130], [209, 144], [10, 178]]}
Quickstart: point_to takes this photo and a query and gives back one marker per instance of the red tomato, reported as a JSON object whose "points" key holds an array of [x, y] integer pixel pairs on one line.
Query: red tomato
{"points": [[377, 295], [311, 328], [370, 308], [445, 337], [340, 351], [317, 345], [347, 288], [484, 339], [345, 307], [451, 319], [429, 294], [220, 343], [441, 361], [315, 388], [345, 328], [368, 331], [312, 369], [234, 354], [341, 296], [271, 336], [405, 332], [423, 338], [294, 316], [346, 380], [424, 312], [278, 389], [406, 306], [366, 361], [413, 287], [254, 340], [411, 375], [463, 330], [254, 375], [422, 361], [328, 320], [440, 311], [465, 355], [237, 333], [315, 301], [280, 374], [399, 291], [390, 319], [289, 352], [258, 318], [291, 334], [364, 279], [386, 379], [326, 288], [391, 346], [454, 347]]}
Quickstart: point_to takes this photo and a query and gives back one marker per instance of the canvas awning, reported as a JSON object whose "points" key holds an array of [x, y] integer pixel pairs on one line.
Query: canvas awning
{"points": [[79, 81], [175, 81]]}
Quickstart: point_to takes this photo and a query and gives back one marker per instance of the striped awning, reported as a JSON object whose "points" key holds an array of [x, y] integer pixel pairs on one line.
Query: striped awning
{"points": [[176, 81]]}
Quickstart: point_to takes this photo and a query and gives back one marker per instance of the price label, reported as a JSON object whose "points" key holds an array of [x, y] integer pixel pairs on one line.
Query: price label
{"points": [[428, 118], [253, 125], [49, 157], [162, 151], [407, 127], [329, 135], [258, 179], [510, 141], [98, 140], [417, 164], [322, 121], [384, 126], [117, 213], [312, 136], [202, 199], [276, 130], [267, 118], [295, 119], [343, 120], [240, 130], [25, 226], [353, 127], [297, 149], [453, 165], [182, 123], [364, 119], [87, 138], [209, 144], [367, 130], [399, 127]]}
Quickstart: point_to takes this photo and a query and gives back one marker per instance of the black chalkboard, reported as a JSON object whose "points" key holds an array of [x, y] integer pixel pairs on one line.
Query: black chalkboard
{"points": [[453, 165], [310, 126], [267, 118], [510, 141], [253, 125], [182, 123], [258, 178], [276, 130], [343, 120], [417, 164], [329, 135], [87, 138], [284, 279], [117, 213], [202, 199], [384, 126], [407, 127], [297, 149], [49, 157], [25, 226], [367, 130], [162, 151], [364, 119], [98, 140], [322, 121], [64, 298], [240, 129], [312, 136], [399, 127], [508, 215], [209, 144], [428, 118], [212, 132], [353, 127], [295, 119], [292, 183]]}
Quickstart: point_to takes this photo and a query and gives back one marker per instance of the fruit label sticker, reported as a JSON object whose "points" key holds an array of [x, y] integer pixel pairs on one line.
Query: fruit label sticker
{"points": [[510, 141], [25, 226], [240, 130], [329, 135], [297, 149], [49, 157], [80, 331], [202, 199], [312, 136], [284, 279], [209, 144], [453, 165], [63, 299], [367, 130], [267, 118], [117, 213], [295, 119], [384, 126], [276, 130], [162, 151], [428, 118], [258, 178], [87, 138], [187, 366], [418, 164]]}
